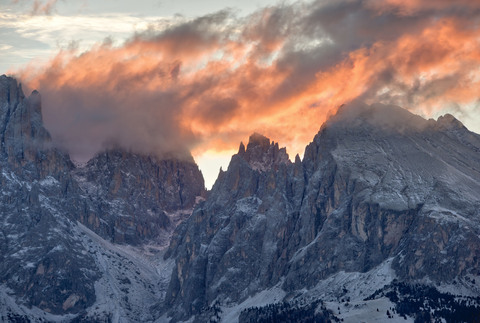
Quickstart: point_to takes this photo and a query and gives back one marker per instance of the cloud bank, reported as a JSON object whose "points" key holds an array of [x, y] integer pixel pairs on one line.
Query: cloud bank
{"points": [[207, 83]]}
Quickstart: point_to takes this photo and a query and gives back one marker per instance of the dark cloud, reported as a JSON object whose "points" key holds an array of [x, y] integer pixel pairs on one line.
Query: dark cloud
{"points": [[209, 82]]}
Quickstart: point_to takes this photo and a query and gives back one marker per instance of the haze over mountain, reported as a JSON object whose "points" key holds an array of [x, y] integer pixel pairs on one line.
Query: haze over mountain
{"points": [[63, 226], [381, 194], [349, 188], [205, 82], [382, 210]]}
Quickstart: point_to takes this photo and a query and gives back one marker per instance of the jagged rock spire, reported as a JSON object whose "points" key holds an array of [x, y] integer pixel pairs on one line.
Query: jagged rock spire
{"points": [[449, 122], [241, 149], [263, 154], [23, 135]]}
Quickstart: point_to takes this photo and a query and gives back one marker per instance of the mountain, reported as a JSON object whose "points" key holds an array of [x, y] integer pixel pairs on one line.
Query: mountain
{"points": [[81, 242], [379, 220], [381, 197], [133, 198], [34, 236]]}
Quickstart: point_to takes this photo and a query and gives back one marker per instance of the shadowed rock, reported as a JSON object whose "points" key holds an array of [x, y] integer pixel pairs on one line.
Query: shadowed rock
{"points": [[376, 183], [48, 261]]}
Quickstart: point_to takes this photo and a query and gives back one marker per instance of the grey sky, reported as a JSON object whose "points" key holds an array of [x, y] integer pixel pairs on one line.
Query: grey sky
{"points": [[29, 38]]}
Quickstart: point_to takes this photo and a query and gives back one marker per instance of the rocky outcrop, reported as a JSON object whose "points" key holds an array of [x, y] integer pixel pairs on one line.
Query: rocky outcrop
{"points": [[42, 263], [237, 227], [50, 264], [378, 191], [384, 179], [25, 143], [132, 195], [263, 155], [376, 183]]}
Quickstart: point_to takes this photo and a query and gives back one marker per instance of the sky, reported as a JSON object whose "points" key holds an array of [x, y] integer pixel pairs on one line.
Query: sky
{"points": [[176, 77]]}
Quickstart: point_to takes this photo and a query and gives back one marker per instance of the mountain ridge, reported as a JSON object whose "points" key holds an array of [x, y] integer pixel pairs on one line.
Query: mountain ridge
{"points": [[63, 227], [378, 211], [366, 192]]}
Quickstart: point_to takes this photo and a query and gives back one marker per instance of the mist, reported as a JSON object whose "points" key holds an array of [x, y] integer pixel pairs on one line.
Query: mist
{"points": [[208, 82]]}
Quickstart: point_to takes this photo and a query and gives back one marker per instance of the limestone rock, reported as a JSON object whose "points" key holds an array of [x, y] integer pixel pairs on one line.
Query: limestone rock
{"points": [[377, 185], [53, 268], [130, 196]]}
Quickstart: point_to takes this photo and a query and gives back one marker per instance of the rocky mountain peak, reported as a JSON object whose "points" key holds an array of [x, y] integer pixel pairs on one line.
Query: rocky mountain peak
{"points": [[146, 190], [176, 182], [263, 154], [297, 159], [20, 119], [377, 188], [10, 91], [24, 139], [35, 99], [377, 116], [258, 140], [241, 149], [61, 225], [449, 122]]}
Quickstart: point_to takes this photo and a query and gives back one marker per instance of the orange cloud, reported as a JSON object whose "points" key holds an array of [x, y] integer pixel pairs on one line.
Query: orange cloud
{"points": [[210, 82]]}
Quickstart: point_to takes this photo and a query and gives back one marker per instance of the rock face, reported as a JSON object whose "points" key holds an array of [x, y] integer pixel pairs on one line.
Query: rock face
{"points": [[381, 199], [261, 154], [38, 256], [58, 222], [25, 143], [378, 185], [237, 227], [130, 196]]}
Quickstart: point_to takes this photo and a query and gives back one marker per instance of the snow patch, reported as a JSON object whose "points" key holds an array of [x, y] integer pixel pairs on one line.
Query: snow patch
{"points": [[367, 311], [355, 285], [134, 279], [8, 304], [49, 181], [265, 297]]}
